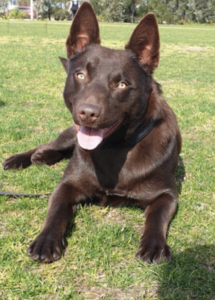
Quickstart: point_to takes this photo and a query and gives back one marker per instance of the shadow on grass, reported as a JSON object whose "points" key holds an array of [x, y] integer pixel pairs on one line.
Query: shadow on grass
{"points": [[191, 275], [70, 228], [2, 103], [180, 174]]}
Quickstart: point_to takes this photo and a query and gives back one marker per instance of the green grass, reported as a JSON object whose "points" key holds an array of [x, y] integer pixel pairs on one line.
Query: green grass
{"points": [[99, 260]]}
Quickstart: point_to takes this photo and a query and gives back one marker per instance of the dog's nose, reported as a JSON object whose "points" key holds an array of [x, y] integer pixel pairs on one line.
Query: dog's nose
{"points": [[88, 112]]}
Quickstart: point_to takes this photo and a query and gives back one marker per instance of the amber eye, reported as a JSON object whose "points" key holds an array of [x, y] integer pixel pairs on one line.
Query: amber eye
{"points": [[80, 76], [122, 85]]}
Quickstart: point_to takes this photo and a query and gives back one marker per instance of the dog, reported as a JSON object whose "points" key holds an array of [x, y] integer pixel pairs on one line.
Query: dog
{"points": [[125, 143]]}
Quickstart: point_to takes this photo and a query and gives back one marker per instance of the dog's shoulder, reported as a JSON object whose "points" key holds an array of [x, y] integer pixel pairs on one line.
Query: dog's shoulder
{"points": [[159, 110], [163, 142]]}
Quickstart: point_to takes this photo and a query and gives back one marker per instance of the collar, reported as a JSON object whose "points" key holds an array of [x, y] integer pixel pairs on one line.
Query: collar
{"points": [[138, 135], [141, 132]]}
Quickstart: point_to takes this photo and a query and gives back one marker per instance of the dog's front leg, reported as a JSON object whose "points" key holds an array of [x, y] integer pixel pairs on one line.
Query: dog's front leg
{"points": [[19, 161], [48, 153], [54, 151], [153, 245], [48, 245]]}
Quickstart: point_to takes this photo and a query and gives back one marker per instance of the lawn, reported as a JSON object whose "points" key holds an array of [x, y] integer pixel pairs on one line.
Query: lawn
{"points": [[99, 260]]}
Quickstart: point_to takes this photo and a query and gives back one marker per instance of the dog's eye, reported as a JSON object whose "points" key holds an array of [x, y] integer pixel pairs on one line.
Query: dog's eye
{"points": [[80, 76], [122, 85]]}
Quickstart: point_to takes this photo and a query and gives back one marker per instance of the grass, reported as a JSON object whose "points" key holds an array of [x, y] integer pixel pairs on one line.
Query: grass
{"points": [[99, 260]]}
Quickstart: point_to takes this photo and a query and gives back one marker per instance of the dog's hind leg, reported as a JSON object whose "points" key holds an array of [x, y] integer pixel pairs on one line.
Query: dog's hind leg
{"points": [[48, 153]]}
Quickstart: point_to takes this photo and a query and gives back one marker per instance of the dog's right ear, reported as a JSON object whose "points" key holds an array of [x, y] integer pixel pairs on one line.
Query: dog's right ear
{"points": [[65, 63], [145, 42], [84, 30]]}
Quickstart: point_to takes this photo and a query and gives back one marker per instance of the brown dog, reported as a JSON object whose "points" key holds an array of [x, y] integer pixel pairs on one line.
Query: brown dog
{"points": [[125, 143]]}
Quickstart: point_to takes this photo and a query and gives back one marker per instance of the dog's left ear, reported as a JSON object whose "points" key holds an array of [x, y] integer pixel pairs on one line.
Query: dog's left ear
{"points": [[145, 42], [65, 63], [84, 30]]}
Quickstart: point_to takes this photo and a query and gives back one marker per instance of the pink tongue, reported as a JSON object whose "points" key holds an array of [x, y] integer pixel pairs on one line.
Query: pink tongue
{"points": [[89, 138]]}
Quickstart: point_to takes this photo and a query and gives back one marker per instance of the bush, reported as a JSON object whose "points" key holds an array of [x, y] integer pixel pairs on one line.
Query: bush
{"points": [[101, 18], [61, 15], [211, 22], [43, 15], [18, 14], [64, 15], [3, 16], [181, 22], [57, 17]]}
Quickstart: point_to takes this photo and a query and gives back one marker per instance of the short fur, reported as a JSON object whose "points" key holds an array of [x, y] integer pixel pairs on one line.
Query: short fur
{"points": [[114, 89]]}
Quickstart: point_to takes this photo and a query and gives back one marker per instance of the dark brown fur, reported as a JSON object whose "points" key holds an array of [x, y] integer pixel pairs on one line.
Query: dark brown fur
{"points": [[142, 175]]}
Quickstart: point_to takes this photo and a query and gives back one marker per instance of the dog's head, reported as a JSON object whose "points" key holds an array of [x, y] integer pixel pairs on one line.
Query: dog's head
{"points": [[108, 89]]}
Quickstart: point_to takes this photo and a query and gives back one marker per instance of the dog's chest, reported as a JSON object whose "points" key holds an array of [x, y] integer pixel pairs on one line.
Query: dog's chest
{"points": [[118, 174], [110, 172], [109, 166]]}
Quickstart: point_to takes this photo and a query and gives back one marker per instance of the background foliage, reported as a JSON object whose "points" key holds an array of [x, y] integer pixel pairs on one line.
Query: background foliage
{"points": [[17, 14], [169, 11]]}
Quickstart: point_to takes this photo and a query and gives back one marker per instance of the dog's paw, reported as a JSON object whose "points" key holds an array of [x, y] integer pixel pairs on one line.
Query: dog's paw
{"points": [[46, 249], [46, 157], [154, 250], [18, 161]]}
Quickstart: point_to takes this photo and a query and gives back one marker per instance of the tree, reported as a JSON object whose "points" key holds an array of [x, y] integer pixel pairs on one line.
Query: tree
{"points": [[38, 6], [131, 4], [24, 2], [203, 11], [47, 8], [170, 11], [3, 5], [141, 9], [113, 10], [96, 6]]}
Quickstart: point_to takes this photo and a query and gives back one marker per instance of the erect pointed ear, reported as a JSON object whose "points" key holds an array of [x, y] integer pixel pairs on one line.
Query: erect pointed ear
{"points": [[65, 64], [145, 42], [84, 30]]}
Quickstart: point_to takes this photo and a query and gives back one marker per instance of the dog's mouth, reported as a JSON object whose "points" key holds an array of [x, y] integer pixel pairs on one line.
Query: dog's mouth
{"points": [[89, 138]]}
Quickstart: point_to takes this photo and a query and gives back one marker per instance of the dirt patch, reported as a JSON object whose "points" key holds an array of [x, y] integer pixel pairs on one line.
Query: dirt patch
{"points": [[99, 293], [196, 48]]}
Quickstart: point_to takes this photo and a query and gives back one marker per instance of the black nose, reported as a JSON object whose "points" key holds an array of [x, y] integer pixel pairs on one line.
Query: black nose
{"points": [[88, 113]]}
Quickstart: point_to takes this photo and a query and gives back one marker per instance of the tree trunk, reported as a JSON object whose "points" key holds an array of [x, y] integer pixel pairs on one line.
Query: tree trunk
{"points": [[132, 11]]}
